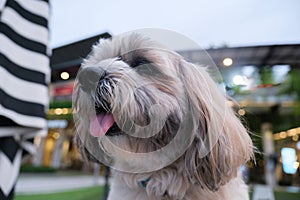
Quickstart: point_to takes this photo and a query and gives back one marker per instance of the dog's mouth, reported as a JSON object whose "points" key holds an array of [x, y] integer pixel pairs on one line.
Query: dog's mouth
{"points": [[103, 123]]}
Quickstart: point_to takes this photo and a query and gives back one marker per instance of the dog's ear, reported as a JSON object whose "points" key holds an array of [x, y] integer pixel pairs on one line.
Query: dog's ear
{"points": [[221, 143]]}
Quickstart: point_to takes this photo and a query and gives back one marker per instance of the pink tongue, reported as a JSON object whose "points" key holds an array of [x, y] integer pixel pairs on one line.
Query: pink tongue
{"points": [[100, 124]]}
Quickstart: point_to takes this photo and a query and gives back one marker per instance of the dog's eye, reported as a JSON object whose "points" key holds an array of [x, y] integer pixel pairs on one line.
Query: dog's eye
{"points": [[139, 61]]}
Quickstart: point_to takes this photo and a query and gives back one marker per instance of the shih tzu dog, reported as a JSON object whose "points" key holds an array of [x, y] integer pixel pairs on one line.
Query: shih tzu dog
{"points": [[160, 122]]}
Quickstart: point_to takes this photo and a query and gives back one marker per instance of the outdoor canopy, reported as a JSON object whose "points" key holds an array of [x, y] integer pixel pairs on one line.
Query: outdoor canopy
{"points": [[24, 78], [24, 62]]}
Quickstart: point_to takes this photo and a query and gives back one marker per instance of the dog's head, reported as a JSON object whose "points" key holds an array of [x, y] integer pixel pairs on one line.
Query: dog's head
{"points": [[138, 96]]}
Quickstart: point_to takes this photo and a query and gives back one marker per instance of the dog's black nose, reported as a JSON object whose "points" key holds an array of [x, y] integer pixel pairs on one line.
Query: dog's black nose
{"points": [[89, 77]]}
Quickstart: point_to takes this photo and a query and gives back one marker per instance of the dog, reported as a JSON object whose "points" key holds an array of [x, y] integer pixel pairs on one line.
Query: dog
{"points": [[160, 122]]}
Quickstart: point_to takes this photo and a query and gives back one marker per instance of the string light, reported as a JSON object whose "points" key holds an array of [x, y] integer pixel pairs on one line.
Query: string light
{"points": [[227, 62], [65, 75]]}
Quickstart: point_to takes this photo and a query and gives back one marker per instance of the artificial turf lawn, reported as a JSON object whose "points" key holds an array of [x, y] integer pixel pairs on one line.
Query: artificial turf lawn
{"points": [[96, 193], [286, 196], [89, 193], [283, 195]]}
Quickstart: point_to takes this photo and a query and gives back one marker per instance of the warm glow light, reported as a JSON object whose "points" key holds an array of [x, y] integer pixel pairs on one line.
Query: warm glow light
{"points": [[65, 111], [276, 136], [51, 112], [282, 134], [65, 75], [295, 138], [58, 111], [241, 112], [56, 135], [292, 132], [227, 62]]}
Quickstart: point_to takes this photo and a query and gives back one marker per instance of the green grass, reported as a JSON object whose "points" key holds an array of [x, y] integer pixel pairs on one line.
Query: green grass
{"points": [[37, 169], [286, 196], [96, 193], [280, 195], [91, 193]]}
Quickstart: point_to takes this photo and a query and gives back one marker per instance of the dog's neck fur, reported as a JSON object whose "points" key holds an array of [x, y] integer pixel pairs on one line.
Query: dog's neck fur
{"points": [[169, 184], [172, 183]]}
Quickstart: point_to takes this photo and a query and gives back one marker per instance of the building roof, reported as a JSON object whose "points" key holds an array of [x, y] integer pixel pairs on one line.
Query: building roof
{"points": [[72, 54], [251, 55], [69, 57]]}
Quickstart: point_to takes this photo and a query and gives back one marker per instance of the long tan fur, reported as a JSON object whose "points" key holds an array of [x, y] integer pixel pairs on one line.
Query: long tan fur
{"points": [[210, 166]]}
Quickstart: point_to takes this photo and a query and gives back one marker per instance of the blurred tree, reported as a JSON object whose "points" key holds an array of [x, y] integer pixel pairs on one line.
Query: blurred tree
{"points": [[293, 88], [266, 75]]}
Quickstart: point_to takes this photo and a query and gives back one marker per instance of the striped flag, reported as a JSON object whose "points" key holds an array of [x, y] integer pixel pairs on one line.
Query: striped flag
{"points": [[24, 78]]}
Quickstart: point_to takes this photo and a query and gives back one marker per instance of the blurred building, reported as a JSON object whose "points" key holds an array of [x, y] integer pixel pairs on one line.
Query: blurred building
{"points": [[264, 81]]}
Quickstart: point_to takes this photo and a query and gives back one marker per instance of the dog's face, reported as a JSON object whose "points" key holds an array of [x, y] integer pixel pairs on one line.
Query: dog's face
{"points": [[133, 94]]}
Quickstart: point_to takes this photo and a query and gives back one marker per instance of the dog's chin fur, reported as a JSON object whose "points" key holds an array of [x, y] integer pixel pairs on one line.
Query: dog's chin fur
{"points": [[192, 176]]}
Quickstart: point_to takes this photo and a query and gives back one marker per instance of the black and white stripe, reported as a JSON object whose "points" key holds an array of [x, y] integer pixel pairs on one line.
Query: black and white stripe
{"points": [[24, 78], [10, 160], [24, 61]]}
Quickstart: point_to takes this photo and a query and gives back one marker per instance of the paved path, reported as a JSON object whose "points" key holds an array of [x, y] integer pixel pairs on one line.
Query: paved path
{"points": [[49, 183]]}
